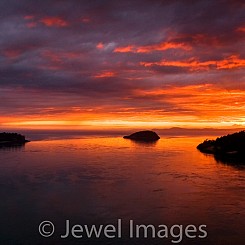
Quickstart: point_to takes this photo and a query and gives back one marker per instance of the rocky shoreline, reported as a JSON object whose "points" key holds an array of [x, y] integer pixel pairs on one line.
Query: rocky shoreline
{"points": [[12, 139], [229, 148]]}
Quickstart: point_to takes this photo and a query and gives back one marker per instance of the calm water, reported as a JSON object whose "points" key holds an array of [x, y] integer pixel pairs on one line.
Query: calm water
{"points": [[100, 180]]}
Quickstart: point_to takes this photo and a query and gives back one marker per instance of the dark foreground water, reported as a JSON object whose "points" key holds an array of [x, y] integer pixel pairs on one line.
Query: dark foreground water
{"points": [[97, 181]]}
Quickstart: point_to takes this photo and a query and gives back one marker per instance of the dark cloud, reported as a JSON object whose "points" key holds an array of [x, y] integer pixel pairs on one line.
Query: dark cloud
{"points": [[69, 47]]}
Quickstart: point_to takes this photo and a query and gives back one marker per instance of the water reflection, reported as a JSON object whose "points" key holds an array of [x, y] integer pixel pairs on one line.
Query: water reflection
{"points": [[238, 163], [143, 143], [11, 147], [234, 162], [98, 180]]}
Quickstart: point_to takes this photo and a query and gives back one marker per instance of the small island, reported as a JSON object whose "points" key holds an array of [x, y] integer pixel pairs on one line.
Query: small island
{"points": [[229, 148], [145, 136], [12, 139]]}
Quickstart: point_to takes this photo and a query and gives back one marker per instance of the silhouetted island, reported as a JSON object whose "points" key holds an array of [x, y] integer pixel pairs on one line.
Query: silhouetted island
{"points": [[146, 136], [229, 148], [12, 139]]}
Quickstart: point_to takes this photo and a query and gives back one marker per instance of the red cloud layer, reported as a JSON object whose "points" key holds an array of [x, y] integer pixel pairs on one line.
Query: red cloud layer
{"points": [[194, 64], [151, 48], [54, 21]]}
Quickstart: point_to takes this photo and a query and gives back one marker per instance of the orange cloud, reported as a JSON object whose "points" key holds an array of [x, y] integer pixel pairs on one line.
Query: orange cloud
{"points": [[194, 64], [241, 29], [163, 46], [231, 62], [206, 102], [105, 74], [54, 21], [125, 49], [151, 48], [100, 46]]}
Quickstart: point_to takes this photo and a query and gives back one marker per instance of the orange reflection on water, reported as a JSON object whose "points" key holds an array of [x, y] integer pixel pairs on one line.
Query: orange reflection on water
{"points": [[106, 178]]}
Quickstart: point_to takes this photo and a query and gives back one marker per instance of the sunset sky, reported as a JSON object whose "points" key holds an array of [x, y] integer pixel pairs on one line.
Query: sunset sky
{"points": [[109, 64]]}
